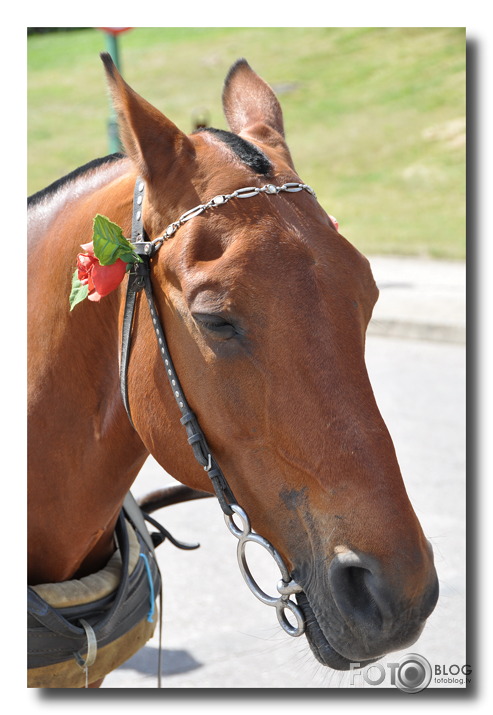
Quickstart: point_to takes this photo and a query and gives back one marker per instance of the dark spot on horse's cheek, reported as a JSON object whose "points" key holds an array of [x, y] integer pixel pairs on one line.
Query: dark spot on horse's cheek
{"points": [[294, 498]]}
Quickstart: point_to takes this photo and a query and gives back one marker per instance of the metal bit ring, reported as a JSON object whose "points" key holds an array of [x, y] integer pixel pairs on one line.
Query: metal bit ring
{"points": [[286, 585]]}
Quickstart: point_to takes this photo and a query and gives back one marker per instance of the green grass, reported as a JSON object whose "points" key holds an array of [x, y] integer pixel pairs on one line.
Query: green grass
{"points": [[375, 117]]}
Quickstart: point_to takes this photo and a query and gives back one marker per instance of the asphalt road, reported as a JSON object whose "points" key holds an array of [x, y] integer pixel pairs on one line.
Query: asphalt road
{"points": [[217, 635]]}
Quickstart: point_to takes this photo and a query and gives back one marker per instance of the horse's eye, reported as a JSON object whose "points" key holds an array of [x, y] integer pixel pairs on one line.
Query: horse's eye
{"points": [[216, 325]]}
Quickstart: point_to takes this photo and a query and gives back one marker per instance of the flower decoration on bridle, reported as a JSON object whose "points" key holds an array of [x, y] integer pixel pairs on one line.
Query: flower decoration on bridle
{"points": [[102, 266]]}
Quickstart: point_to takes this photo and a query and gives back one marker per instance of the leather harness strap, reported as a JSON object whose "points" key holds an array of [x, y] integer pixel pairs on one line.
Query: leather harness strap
{"points": [[140, 278], [135, 284]]}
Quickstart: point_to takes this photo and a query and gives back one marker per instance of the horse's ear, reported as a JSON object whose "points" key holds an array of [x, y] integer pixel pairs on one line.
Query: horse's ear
{"points": [[251, 106], [151, 140]]}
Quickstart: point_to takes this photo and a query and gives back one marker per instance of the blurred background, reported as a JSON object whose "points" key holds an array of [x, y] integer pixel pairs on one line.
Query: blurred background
{"points": [[374, 117]]}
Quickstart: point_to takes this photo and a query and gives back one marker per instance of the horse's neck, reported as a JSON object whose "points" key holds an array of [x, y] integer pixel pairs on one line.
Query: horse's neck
{"points": [[83, 453]]}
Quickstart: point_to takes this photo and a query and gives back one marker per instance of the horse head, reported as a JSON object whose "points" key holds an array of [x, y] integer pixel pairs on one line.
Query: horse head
{"points": [[265, 305]]}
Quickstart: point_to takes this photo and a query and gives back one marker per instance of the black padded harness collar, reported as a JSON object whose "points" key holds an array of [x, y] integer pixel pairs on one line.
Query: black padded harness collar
{"points": [[53, 633]]}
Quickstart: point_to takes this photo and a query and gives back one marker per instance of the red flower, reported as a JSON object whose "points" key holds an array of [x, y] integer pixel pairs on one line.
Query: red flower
{"points": [[99, 279]]}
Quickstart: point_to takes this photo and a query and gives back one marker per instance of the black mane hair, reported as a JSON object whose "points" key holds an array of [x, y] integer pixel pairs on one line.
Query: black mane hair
{"points": [[53, 188], [244, 150]]}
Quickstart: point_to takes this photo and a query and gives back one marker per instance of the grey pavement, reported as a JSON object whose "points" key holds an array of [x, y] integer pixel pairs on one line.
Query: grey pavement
{"points": [[420, 298], [216, 634]]}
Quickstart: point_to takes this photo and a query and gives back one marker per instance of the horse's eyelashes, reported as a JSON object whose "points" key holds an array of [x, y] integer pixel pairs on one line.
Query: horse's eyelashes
{"points": [[215, 324]]}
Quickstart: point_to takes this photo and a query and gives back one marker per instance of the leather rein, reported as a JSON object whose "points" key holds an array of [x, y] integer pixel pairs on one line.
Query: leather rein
{"points": [[140, 279]]}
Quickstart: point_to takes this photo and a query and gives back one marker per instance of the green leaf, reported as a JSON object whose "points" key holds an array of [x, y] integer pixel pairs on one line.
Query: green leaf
{"points": [[79, 292], [110, 244]]}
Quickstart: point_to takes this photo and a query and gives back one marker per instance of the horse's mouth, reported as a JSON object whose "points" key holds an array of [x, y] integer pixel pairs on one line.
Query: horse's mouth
{"points": [[321, 648]]}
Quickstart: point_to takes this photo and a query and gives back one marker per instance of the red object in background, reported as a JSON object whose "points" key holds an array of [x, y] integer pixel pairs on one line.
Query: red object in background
{"points": [[115, 30]]}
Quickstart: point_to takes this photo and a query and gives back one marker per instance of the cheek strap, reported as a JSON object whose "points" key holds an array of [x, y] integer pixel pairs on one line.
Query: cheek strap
{"points": [[140, 279]]}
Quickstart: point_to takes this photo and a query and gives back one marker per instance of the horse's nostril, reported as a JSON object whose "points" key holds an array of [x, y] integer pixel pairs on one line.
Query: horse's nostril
{"points": [[374, 614], [357, 591], [353, 598]]}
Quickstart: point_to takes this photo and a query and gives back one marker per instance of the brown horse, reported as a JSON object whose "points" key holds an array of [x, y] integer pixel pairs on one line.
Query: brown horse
{"points": [[265, 306]]}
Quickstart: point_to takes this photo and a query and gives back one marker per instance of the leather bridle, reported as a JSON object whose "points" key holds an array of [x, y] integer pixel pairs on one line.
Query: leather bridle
{"points": [[140, 279]]}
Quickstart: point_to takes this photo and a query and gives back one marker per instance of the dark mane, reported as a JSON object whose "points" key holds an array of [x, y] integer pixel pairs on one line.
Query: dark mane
{"points": [[244, 150], [56, 185]]}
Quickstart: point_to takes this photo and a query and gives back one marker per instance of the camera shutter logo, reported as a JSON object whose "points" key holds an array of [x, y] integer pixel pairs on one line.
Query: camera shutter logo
{"points": [[413, 674]]}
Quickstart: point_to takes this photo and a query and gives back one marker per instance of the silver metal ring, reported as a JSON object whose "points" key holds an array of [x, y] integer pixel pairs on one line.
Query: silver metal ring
{"points": [[285, 587], [291, 630]]}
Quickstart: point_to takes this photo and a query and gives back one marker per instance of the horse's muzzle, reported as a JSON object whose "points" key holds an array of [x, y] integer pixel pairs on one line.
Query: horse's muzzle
{"points": [[365, 616]]}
